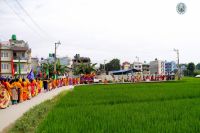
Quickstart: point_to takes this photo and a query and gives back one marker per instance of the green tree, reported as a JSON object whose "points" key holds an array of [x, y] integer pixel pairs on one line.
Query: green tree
{"points": [[113, 65], [48, 68], [191, 68], [198, 66], [83, 68]]}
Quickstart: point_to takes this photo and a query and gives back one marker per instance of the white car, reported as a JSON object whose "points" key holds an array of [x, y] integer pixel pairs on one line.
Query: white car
{"points": [[96, 80], [198, 76]]}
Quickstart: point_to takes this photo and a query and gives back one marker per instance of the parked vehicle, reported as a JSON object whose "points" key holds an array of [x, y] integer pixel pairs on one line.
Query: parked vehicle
{"points": [[198, 76], [96, 80]]}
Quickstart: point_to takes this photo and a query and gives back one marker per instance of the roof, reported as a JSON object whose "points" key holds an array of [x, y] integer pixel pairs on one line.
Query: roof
{"points": [[119, 72], [126, 62]]}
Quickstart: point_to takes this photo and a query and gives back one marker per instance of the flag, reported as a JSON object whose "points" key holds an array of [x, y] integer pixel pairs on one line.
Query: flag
{"points": [[31, 75], [47, 71], [12, 68]]}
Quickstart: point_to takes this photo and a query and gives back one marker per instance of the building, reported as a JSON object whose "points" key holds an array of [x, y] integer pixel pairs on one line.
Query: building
{"points": [[145, 68], [15, 58], [65, 61], [170, 67], [126, 65], [183, 68], [34, 63], [157, 67], [137, 66], [6, 59], [78, 60]]}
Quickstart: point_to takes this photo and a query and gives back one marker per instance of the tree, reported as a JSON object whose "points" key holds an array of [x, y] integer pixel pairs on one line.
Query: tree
{"points": [[101, 67], [198, 66], [48, 68], [113, 65], [191, 68], [83, 68]]}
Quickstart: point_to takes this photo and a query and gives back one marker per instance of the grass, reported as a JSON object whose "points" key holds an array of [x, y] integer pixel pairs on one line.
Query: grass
{"points": [[31, 119], [170, 107]]}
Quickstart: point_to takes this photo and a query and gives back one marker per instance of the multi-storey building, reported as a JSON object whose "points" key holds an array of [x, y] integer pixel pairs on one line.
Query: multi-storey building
{"points": [[145, 68], [170, 67], [137, 65], [15, 58], [126, 65], [35, 65], [78, 60], [157, 67]]}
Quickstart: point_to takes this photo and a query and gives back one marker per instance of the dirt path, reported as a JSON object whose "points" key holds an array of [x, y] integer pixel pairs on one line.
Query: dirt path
{"points": [[9, 115]]}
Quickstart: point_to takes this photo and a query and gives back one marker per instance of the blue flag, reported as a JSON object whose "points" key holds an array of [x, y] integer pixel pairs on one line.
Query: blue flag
{"points": [[31, 75]]}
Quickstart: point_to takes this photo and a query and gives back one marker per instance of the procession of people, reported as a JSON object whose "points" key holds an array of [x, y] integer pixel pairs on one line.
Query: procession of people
{"points": [[17, 90]]}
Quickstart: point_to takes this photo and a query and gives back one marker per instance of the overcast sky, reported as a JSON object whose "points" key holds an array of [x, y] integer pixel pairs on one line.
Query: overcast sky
{"points": [[106, 29]]}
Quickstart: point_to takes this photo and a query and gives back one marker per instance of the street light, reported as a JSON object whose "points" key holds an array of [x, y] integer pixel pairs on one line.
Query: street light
{"points": [[177, 52]]}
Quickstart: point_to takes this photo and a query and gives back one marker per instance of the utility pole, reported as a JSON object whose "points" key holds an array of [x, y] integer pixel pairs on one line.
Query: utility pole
{"points": [[177, 52], [55, 58], [19, 66]]}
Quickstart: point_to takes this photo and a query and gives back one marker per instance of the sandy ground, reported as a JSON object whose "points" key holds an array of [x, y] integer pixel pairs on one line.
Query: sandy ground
{"points": [[9, 115]]}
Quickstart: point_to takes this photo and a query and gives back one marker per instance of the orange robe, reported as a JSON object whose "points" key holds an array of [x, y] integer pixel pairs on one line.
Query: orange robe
{"points": [[26, 91], [9, 87], [18, 85]]}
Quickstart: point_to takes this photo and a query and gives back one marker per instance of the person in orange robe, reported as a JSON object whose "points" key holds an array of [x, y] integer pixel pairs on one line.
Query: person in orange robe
{"points": [[4, 97], [35, 86], [41, 84], [38, 85], [25, 91], [20, 89], [32, 85], [53, 83], [8, 87], [57, 83], [29, 89]]}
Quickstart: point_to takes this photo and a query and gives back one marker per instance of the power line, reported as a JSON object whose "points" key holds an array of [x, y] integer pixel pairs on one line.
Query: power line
{"points": [[27, 24], [32, 20]]}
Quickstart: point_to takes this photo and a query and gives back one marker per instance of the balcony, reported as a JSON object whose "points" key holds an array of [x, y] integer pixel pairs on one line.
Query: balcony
{"points": [[22, 59]]}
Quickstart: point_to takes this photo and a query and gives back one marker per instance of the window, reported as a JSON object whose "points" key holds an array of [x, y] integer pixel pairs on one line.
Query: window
{"points": [[23, 55], [22, 66], [4, 66], [4, 54]]}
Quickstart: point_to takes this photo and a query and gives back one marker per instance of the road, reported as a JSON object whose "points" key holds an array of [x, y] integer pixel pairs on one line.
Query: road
{"points": [[9, 115]]}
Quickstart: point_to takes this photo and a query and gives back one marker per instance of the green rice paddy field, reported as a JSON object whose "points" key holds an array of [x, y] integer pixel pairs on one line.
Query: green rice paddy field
{"points": [[172, 107]]}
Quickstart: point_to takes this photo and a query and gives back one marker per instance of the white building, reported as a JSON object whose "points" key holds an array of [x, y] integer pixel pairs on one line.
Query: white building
{"points": [[157, 67], [137, 65], [65, 61]]}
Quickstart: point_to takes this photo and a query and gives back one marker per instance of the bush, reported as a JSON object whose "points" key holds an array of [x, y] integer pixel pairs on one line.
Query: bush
{"points": [[196, 72]]}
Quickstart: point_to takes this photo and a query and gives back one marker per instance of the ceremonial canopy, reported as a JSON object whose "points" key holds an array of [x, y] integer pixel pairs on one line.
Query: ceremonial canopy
{"points": [[122, 72]]}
